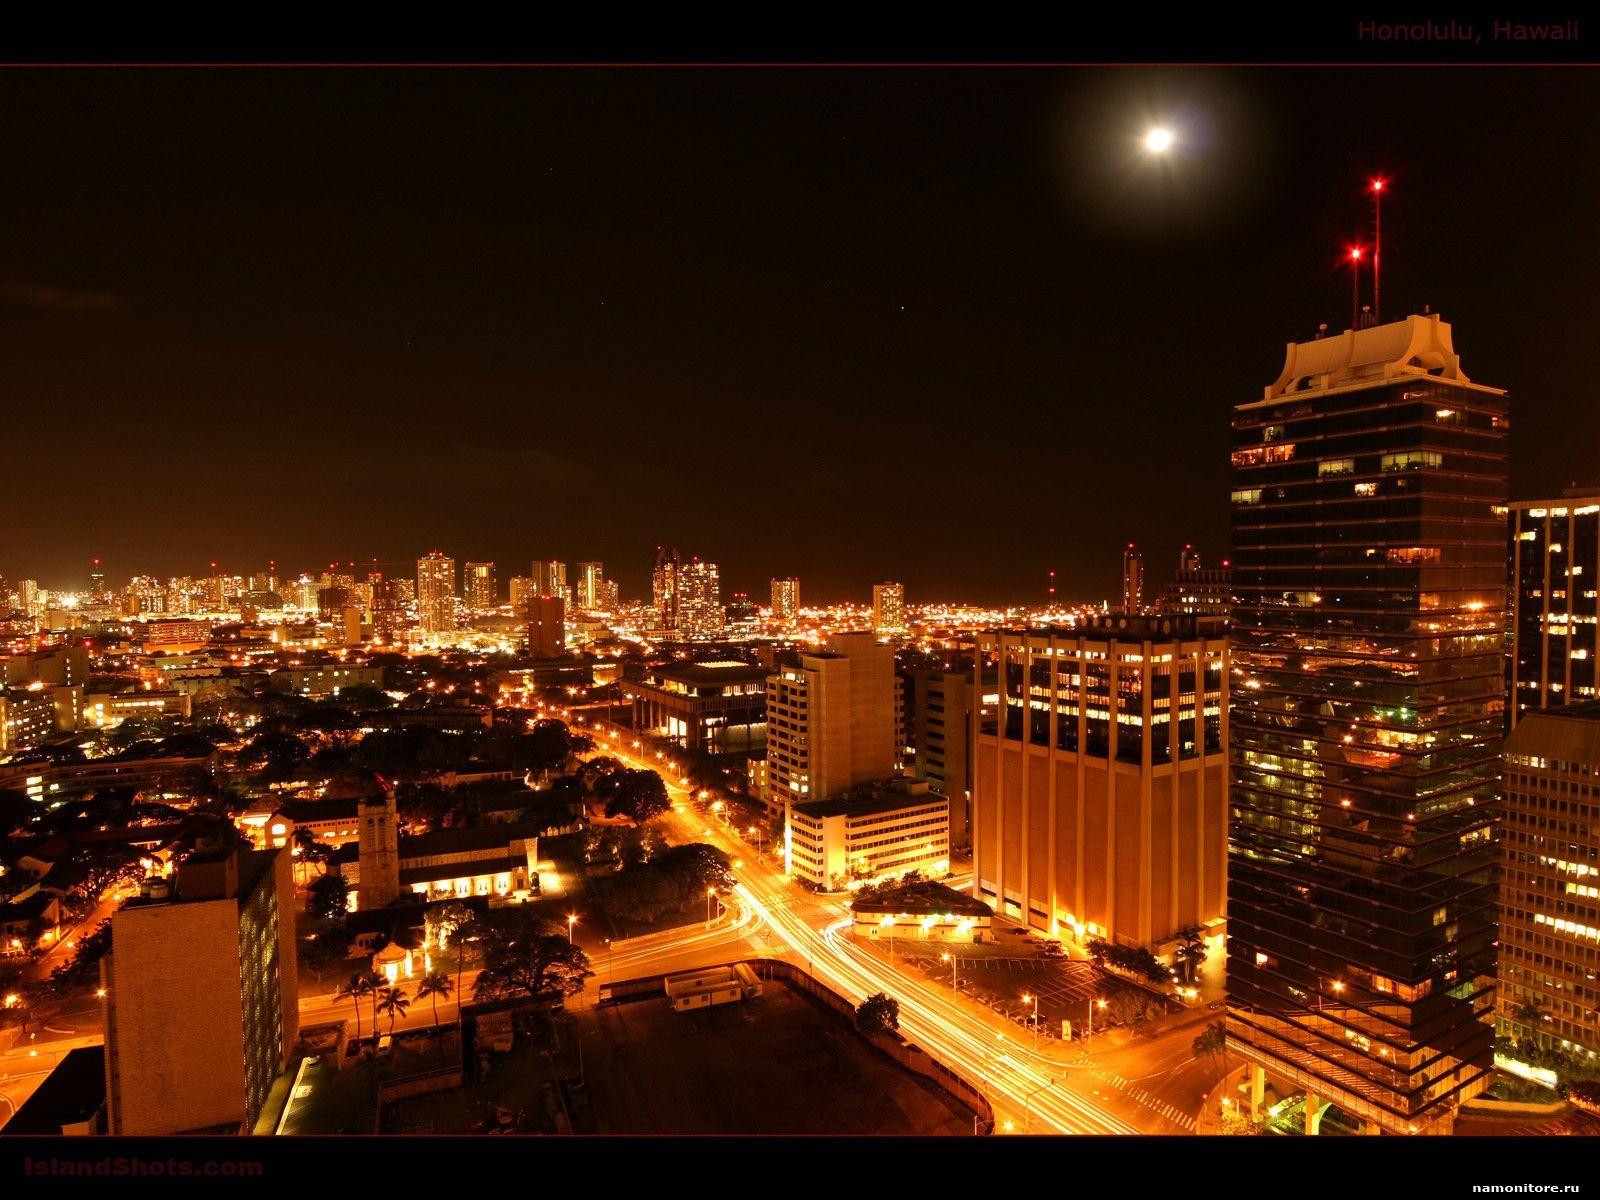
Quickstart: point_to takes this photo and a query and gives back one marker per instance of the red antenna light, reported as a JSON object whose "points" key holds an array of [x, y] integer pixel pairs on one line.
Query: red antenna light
{"points": [[1376, 186], [1355, 287]]}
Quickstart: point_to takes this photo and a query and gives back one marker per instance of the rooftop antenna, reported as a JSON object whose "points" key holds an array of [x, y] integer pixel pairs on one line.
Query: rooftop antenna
{"points": [[1051, 591], [1355, 287], [1376, 186]]}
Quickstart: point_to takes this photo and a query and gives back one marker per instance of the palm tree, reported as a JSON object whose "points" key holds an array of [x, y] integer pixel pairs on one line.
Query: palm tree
{"points": [[352, 990], [372, 985], [433, 986], [394, 1003]]}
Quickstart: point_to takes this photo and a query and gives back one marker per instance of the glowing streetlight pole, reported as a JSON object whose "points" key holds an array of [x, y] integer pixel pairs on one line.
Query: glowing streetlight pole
{"points": [[572, 921]]}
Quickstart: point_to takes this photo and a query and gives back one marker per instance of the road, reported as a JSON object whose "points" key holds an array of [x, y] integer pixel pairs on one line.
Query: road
{"points": [[1143, 1088]]}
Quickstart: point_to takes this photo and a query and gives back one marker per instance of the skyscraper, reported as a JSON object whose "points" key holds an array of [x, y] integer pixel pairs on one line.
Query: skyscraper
{"points": [[1132, 579], [699, 601], [785, 599], [591, 577], [1555, 574], [550, 578], [1367, 635], [664, 587], [436, 594], [888, 609], [480, 588], [201, 996]]}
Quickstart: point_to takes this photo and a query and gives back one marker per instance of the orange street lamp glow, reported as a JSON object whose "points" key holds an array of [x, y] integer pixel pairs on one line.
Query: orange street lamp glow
{"points": [[1158, 140]]}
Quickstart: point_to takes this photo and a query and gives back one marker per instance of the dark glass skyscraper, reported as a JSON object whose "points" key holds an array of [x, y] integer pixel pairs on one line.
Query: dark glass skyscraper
{"points": [[1368, 637], [1555, 564]]}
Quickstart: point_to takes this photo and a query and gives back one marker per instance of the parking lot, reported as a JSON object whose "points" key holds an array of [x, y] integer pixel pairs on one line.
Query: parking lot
{"points": [[1064, 987]]}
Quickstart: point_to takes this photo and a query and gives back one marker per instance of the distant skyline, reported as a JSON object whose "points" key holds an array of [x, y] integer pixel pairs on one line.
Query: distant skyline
{"points": [[933, 325]]}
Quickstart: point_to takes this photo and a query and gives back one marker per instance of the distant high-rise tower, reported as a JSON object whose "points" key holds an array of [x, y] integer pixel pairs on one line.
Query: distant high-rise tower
{"points": [[664, 587], [521, 588], [99, 593], [888, 609], [785, 600], [1197, 588], [547, 631], [699, 601], [378, 835], [480, 587], [550, 579], [436, 594], [1132, 579], [591, 575], [1368, 640]]}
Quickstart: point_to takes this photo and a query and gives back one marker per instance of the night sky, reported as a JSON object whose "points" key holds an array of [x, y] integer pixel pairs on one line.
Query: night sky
{"points": [[937, 325]]}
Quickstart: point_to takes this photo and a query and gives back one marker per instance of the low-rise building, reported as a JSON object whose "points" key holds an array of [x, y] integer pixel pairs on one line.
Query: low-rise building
{"points": [[926, 910], [880, 831], [715, 707]]}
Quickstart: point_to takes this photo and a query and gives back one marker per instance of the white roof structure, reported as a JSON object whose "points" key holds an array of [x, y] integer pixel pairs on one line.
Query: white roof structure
{"points": [[1418, 346]]}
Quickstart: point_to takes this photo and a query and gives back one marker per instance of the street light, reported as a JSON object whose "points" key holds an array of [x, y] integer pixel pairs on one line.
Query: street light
{"points": [[572, 921], [1025, 999], [710, 892], [1089, 1033], [888, 923], [951, 959]]}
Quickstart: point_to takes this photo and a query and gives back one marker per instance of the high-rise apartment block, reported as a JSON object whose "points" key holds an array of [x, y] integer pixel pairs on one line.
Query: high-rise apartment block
{"points": [[1368, 629], [664, 588], [1099, 804], [201, 996], [700, 613], [550, 579], [436, 595], [888, 609], [1555, 582], [785, 600], [479, 587], [591, 579], [1132, 579]]}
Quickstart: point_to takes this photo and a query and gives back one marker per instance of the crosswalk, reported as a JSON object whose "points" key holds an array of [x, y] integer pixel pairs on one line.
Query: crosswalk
{"points": [[1138, 1094]]}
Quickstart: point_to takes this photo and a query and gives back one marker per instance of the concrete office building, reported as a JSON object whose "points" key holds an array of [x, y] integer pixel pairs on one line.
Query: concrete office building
{"points": [[1099, 806], [201, 996], [830, 721], [547, 626]]}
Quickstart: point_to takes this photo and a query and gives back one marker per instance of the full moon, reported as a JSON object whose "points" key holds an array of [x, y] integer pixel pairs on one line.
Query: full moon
{"points": [[1158, 141]]}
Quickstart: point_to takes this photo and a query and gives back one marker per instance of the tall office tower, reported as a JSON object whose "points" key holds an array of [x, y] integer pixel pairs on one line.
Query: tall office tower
{"points": [[888, 609], [521, 591], [610, 596], [1555, 571], [664, 587], [436, 594], [785, 600], [1368, 700], [547, 626], [479, 586], [1550, 886], [1197, 588], [699, 602], [201, 996], [99, 592], [830, 721], [550, 579], [29, 599], [591, 576], [1132, 579], [1100, 797], [331, 603], [388, 609], [741, 618]]}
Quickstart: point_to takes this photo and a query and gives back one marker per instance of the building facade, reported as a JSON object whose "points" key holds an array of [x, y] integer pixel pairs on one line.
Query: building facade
{"points": [[591, 582], [830, 721], [1555, 574], [699, 612], [480, 589], [1100, 795], [889, 609], [436, 595], [1549, 993], [785, 600], [201, 996], [547, 626], [894, 828], [1369, 696], [713, 707]]}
